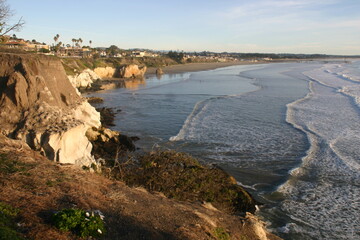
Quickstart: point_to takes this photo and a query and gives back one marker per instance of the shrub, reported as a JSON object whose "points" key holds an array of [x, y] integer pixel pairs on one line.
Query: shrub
{"points": [[182, 177], [8, 229], [80, 222]]}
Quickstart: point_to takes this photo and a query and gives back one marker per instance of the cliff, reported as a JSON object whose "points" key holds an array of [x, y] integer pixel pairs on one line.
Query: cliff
{"points": [[37, 187], [40, 107]]}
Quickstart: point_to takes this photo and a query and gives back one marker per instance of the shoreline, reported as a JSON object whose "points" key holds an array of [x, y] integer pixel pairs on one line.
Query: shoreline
{"points": [[195, 67]]}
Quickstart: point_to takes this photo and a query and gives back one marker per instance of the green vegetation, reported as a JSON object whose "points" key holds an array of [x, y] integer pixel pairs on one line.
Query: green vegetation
{"points": [[8, 228], [80, 222], [221, 234], [176, 56], [11, 166], [77, 65], [182, 177]]}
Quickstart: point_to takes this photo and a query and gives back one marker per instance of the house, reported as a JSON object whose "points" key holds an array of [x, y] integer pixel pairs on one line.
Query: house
{"points": [[138, 54], [25, 45], [20, 44]]}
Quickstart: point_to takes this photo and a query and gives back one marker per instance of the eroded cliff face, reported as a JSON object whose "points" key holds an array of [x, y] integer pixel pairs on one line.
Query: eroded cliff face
{"points": [[125, 71], [132, 71], [39, 105], [84, 79], [105, 72]]}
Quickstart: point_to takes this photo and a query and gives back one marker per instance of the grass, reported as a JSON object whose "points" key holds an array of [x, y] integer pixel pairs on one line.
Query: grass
{"points": [[11, 166], [8, 228], [221, 234], [182, 177]]}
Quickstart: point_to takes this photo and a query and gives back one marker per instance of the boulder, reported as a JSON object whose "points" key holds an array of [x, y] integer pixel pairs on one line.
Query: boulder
{"points": [[109, 144], [132, 71]]}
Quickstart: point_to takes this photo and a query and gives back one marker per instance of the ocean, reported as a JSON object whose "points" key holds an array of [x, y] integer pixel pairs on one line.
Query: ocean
{"points": [[288, 132]]}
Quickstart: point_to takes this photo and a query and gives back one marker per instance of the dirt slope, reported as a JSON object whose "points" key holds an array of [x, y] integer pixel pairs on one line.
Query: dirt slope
{"points": [[37, 187]]}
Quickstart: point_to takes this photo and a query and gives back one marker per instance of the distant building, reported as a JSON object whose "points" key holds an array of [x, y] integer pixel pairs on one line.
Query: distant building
{"points": [[25, 45], [138, 54], [15, 44]]}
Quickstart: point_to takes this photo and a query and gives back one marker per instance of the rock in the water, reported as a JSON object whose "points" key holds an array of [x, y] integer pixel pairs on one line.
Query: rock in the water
{"points": [[159, 71], [40, 106], [132, 71], [108, 143]]}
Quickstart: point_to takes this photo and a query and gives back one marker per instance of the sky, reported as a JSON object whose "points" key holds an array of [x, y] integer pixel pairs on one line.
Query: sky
{"points": [[264, 26]]}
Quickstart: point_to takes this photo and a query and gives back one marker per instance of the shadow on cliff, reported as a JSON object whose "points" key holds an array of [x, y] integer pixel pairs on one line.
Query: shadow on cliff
{"points": [[121, 227]]}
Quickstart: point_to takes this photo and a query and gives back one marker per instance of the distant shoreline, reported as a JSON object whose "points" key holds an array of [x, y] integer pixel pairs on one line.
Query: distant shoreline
{"points": [[194, 67]]}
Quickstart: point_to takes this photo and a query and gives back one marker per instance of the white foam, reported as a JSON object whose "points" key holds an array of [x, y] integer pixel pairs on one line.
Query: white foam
{"points": [[190, 120], [324, 191]]}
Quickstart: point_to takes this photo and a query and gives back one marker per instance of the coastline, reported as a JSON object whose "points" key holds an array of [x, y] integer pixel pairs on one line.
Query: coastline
{"points": [[65, 182], [194, 67]]}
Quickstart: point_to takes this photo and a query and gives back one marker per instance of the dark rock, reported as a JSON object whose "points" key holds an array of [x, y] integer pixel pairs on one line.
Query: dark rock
{"points": [[107, 116], [92, 100], [127, 142]]}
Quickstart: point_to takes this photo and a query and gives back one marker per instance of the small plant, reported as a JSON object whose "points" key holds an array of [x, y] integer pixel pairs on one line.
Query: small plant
{"points": [[9, 165], [221, 234], [8, 229], [80, 222]]}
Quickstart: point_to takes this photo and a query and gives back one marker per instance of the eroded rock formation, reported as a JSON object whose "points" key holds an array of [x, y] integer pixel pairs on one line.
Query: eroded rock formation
{"points": [[84, 79], [105, 72], [40, 106]]}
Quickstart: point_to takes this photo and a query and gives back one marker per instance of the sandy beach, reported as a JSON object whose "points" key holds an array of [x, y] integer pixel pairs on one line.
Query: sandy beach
{"points": [[194, 67]]}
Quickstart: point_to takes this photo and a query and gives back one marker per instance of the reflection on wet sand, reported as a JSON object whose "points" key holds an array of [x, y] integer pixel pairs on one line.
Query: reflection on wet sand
{"points": [[135, 83]]}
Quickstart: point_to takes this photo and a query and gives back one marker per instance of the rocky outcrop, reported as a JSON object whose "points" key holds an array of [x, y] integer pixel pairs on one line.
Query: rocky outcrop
{"points": [[84, 79], [105, 72], [159, 71], [109, 144], [132, 71], [40, 107]]}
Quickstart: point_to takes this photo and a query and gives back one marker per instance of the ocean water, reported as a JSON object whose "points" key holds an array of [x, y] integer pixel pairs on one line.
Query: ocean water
{"points": [[288, 132]]}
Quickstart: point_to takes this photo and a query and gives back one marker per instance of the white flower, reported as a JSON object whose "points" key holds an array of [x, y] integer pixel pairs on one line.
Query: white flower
{"points": [[87, 214], [99, 231]]}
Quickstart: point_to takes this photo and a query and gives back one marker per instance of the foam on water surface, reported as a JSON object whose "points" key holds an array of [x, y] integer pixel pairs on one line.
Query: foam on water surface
{"points": [[267, 125], [323, 195]]}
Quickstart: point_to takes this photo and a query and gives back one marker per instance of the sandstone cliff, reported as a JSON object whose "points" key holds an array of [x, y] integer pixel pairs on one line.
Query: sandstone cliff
{"points": [[40, 106], [132, 71], [105, 72], [84, 79]]}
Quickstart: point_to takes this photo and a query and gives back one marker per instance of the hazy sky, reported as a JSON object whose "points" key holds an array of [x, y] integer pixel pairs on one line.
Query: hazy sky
{"points": [[293, 26]]}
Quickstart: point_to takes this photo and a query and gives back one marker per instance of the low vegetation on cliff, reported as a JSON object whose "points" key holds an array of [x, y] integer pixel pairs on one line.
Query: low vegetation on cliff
{"points": [[182, 177], [33, 189], [77, 65]]}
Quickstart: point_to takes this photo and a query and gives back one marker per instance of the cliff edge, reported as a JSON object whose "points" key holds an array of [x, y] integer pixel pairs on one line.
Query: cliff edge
{"points": [[40, 107]]}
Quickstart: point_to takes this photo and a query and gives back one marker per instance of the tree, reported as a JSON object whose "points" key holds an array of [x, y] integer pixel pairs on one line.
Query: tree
{"points": [[178, 57], [5, 15], [74, 41], [56, 38], [113, 50]]}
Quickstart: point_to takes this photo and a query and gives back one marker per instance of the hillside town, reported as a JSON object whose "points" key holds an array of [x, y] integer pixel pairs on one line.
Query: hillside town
{"points": [[78, 49]]}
